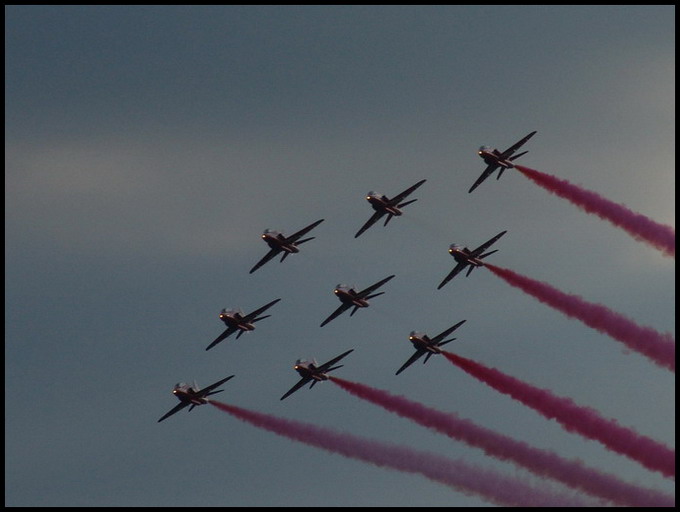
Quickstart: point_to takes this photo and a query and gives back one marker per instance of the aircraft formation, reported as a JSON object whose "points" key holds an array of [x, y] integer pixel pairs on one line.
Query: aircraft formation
{"points": [[351, 299]]}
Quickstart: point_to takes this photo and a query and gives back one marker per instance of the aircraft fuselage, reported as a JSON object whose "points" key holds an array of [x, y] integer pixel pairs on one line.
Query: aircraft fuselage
{"points": [[188, 396], [274, 242], [492, 158], [310, 371], [381, 204], [422, 341], [463, 256], [235, 320], [350, 297]]}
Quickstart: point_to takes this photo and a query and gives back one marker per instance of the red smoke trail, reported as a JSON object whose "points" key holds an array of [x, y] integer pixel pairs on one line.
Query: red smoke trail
{"points": [[575, 418], [638, 226], [660, 348], [463, 477], [543, 463]]}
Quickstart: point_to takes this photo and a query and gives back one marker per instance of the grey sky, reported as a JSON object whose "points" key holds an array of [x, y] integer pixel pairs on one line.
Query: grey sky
{"points": [[147, 148]]}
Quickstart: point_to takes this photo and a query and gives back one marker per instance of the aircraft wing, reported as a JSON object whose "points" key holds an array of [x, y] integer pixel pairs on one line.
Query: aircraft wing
{"points": [[399, 197], [456, 270], [252, 316], [175, 409], [487, 172], [205, 391], [374, 218], [516, 146], [479, 250], [341, 309], [301, 382], [265, 259], [330, 363], [296, 236], [227, 332], [417, 355], [374, 287], [448, 331]]}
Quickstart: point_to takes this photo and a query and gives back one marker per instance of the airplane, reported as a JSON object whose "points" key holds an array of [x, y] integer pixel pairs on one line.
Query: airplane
{"points": [[494, 159], [191, 396], [351, 298], [383, 205], [235, 320], [287, 245], [465, 257], [427, 346], [310, 371]]}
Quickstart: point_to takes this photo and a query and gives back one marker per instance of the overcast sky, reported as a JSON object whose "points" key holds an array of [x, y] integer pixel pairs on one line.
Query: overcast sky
{"points": [[148, 147]]}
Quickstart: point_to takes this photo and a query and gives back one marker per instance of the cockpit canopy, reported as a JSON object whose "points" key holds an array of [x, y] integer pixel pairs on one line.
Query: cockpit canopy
{"points": [[415, 334], [484, 149], [181, 386], [270, 232], [230, 312], [455, 247], [305, 363]]}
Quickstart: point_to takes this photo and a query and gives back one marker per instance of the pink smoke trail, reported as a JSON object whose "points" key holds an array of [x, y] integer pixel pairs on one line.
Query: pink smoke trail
{"points": [[465, 478], [575, 418], [638, 226], [658, 347], [543, 463]]}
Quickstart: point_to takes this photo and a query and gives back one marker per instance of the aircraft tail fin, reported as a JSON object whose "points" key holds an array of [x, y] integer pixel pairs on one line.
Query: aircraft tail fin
{"points": [[500, 172], [354, 310], [469, 270], [192, 406], [488, 254], [518, 155], [374, 295], [406, 203], [389, 217], [239, 334], [445, 342], [259, 318], [305, 240], [214, 392], [284, 256], [427, 356]]}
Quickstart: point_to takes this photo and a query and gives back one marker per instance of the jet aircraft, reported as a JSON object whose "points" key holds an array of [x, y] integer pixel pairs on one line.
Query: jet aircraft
{"points": [[351, 298], [191, 396], [310, 371], [287, 245], [235, 320], [383, 205], [427, 346], [494, 159], [465, 257]]}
